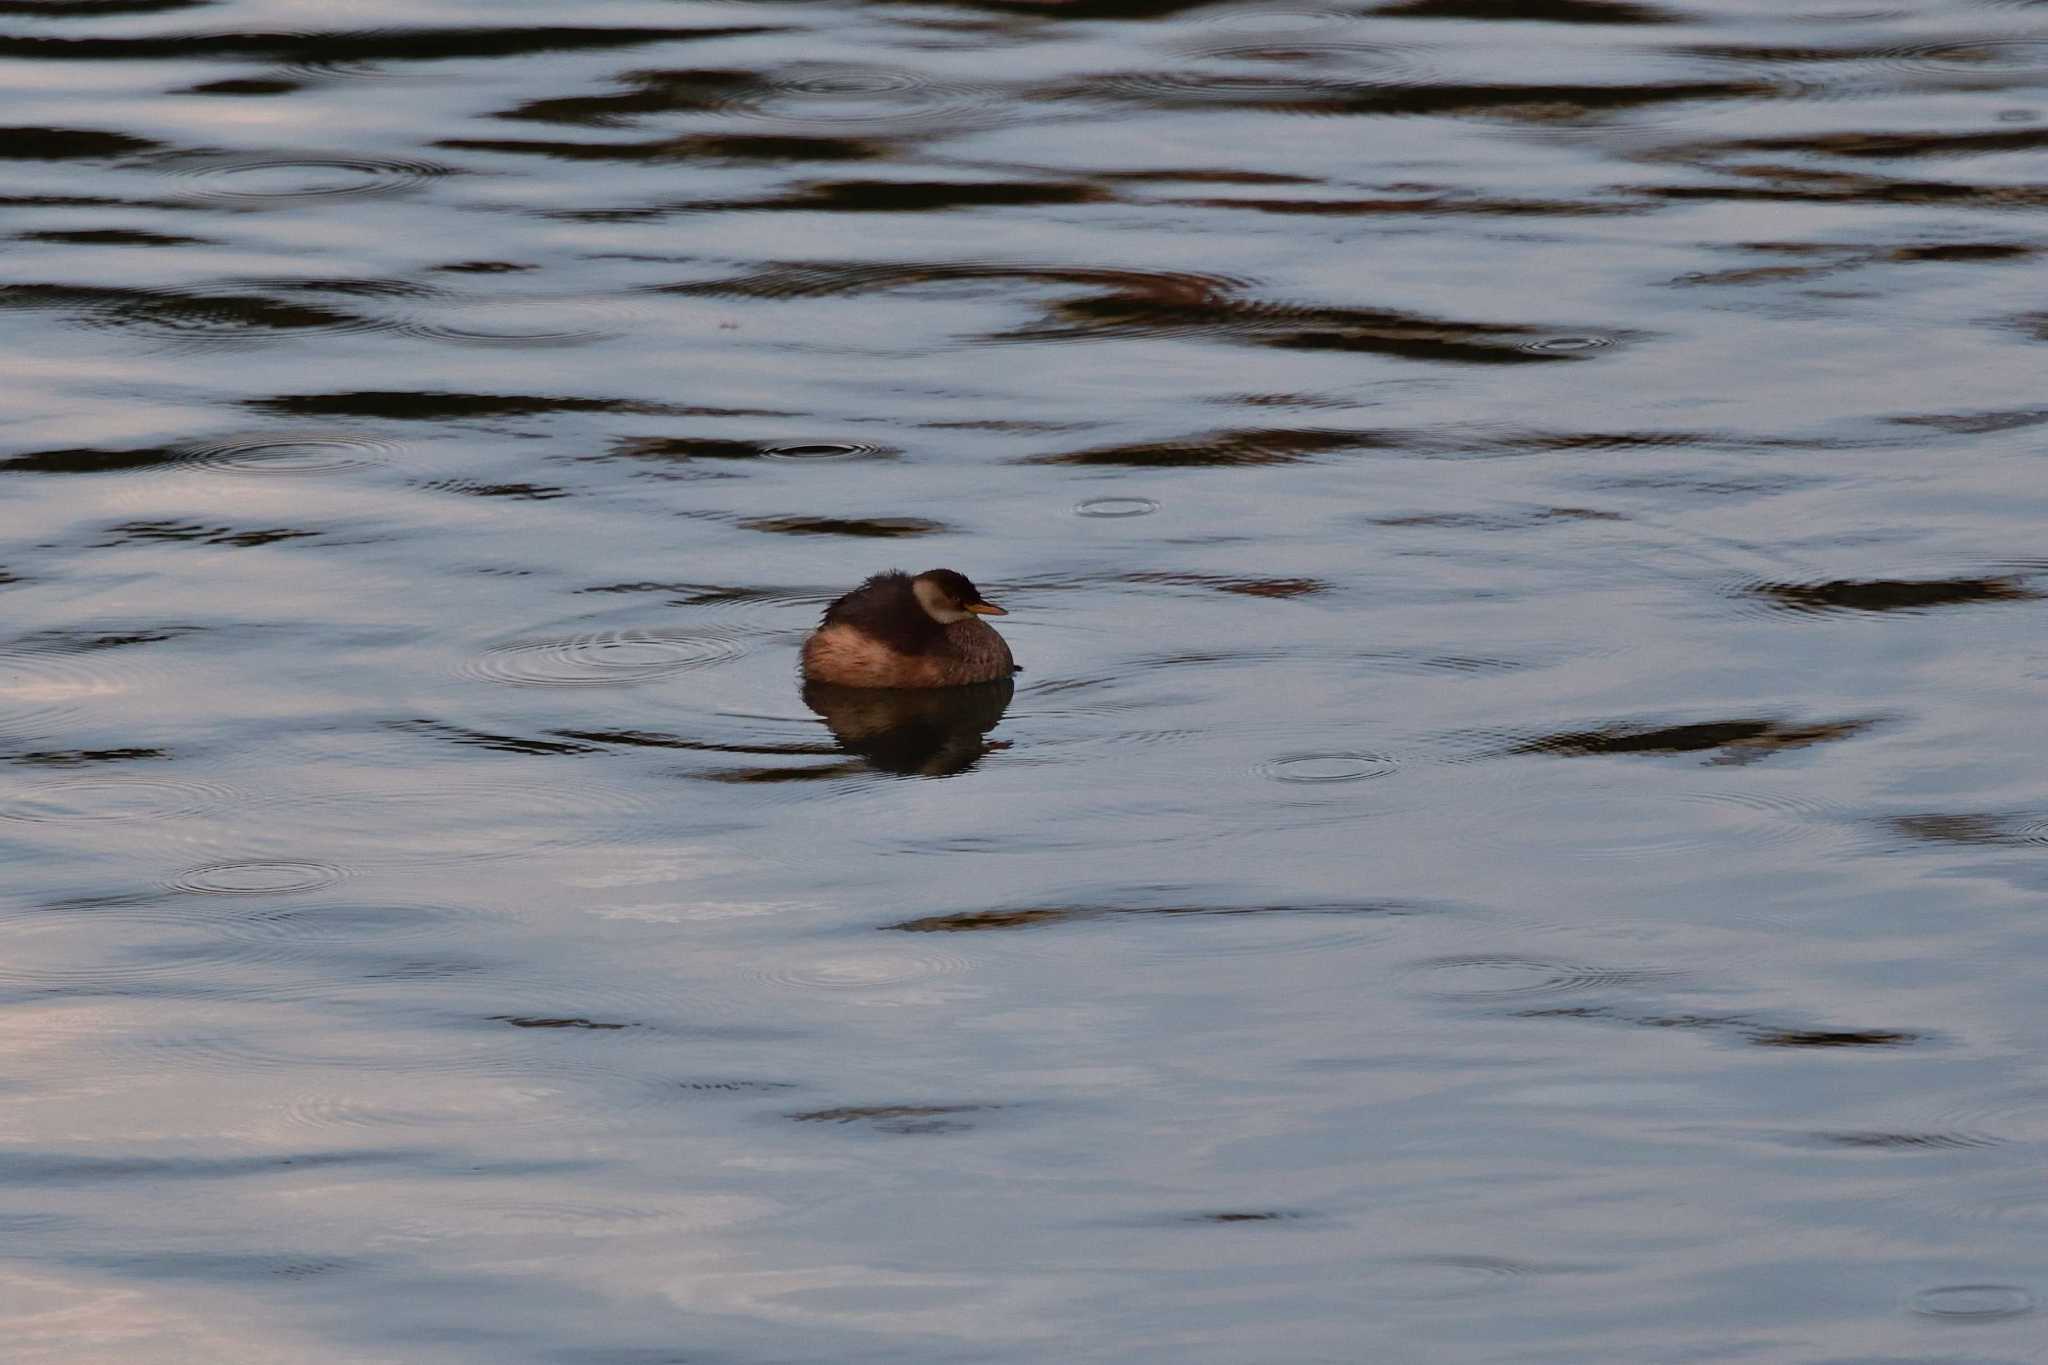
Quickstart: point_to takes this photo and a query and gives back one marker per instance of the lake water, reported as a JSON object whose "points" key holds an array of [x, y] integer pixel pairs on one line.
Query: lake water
{"points": [[1522, 835]]}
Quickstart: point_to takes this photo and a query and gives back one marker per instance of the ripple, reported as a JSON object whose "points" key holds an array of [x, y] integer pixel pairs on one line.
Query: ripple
{"points": [[604, 659], [254, 877], [538, 323], [41, 690], [1293, 70], [857, 99], [1317, 768], [1565, 345], [436, 825], [870, 971], [1974, 1302], [1483, 977], [94, 799], [1116, 507], [1431, 1278], [259, 181], [810, 451], [290, 452]]}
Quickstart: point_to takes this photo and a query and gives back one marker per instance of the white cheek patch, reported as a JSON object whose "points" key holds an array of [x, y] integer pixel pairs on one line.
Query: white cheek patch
{"points": [[936, 606]]}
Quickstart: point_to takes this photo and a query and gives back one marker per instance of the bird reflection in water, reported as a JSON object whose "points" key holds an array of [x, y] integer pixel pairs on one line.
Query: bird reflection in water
{"points": [[920, 732]]}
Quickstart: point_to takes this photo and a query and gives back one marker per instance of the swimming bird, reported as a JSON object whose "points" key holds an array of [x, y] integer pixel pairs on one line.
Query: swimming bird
{"points": [[899, 631]]}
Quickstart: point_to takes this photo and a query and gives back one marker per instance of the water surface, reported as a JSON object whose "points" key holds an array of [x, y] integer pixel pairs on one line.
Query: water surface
{"points": [[1522, 836]]}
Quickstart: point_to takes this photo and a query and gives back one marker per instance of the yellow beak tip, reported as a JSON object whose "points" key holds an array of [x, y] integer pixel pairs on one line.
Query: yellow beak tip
{"points": [[986, 609]]}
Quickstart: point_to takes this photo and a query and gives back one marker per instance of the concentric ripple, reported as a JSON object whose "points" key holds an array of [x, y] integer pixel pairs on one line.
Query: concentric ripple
{"points": [[94, 799], [605, 659], [1974, 1302], [1319, 768], [1568, 345], [1116, 507], [811, 451], [846, 98], [257, 877], [260, 181], [291, 452], [41, 690], [521, 322]]}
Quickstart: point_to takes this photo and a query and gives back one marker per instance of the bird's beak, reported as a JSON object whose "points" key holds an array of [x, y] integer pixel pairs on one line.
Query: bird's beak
{"points": [[985, 609]]}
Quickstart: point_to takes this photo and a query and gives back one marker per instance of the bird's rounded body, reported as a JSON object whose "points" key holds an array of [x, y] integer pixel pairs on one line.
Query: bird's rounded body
{"points": [[896, 631]]}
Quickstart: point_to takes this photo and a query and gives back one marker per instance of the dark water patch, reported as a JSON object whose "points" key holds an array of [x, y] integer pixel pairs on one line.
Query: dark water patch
{"points": [[1727, 742], [1507, 520], [652, 739], [518, 492], [1892, 594], [177, 315], [1195, 175], [736, 147], [1795, 185], [483, 739], [221, 1267], [1032, 917], [108, 237], [1229, 446], [24, 1167], [265, 452], [1965, 252], [1879, 1141], [94, 9], [736, 1087], [1834, 1038], [1878, 146], [1131, 303], [68, 144], [1534, 105], [899, 1119], [430, 405], [1531, 11], [1745, 1028], [160, 532], [823, 98], [976, 921], [483, 268], [928, 196], [78, 758], [1227, 1216], [1977, 423], [1428, 202], [872, 528], [762, 777], [353, 48], [1977, 829], [1280, 588], [89, 639], [683, 449], [88, 461], [246, 86], [557, 1022]]}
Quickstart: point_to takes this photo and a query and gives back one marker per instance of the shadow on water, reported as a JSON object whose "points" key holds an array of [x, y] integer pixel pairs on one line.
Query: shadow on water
{"points": [[921, 732]]}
